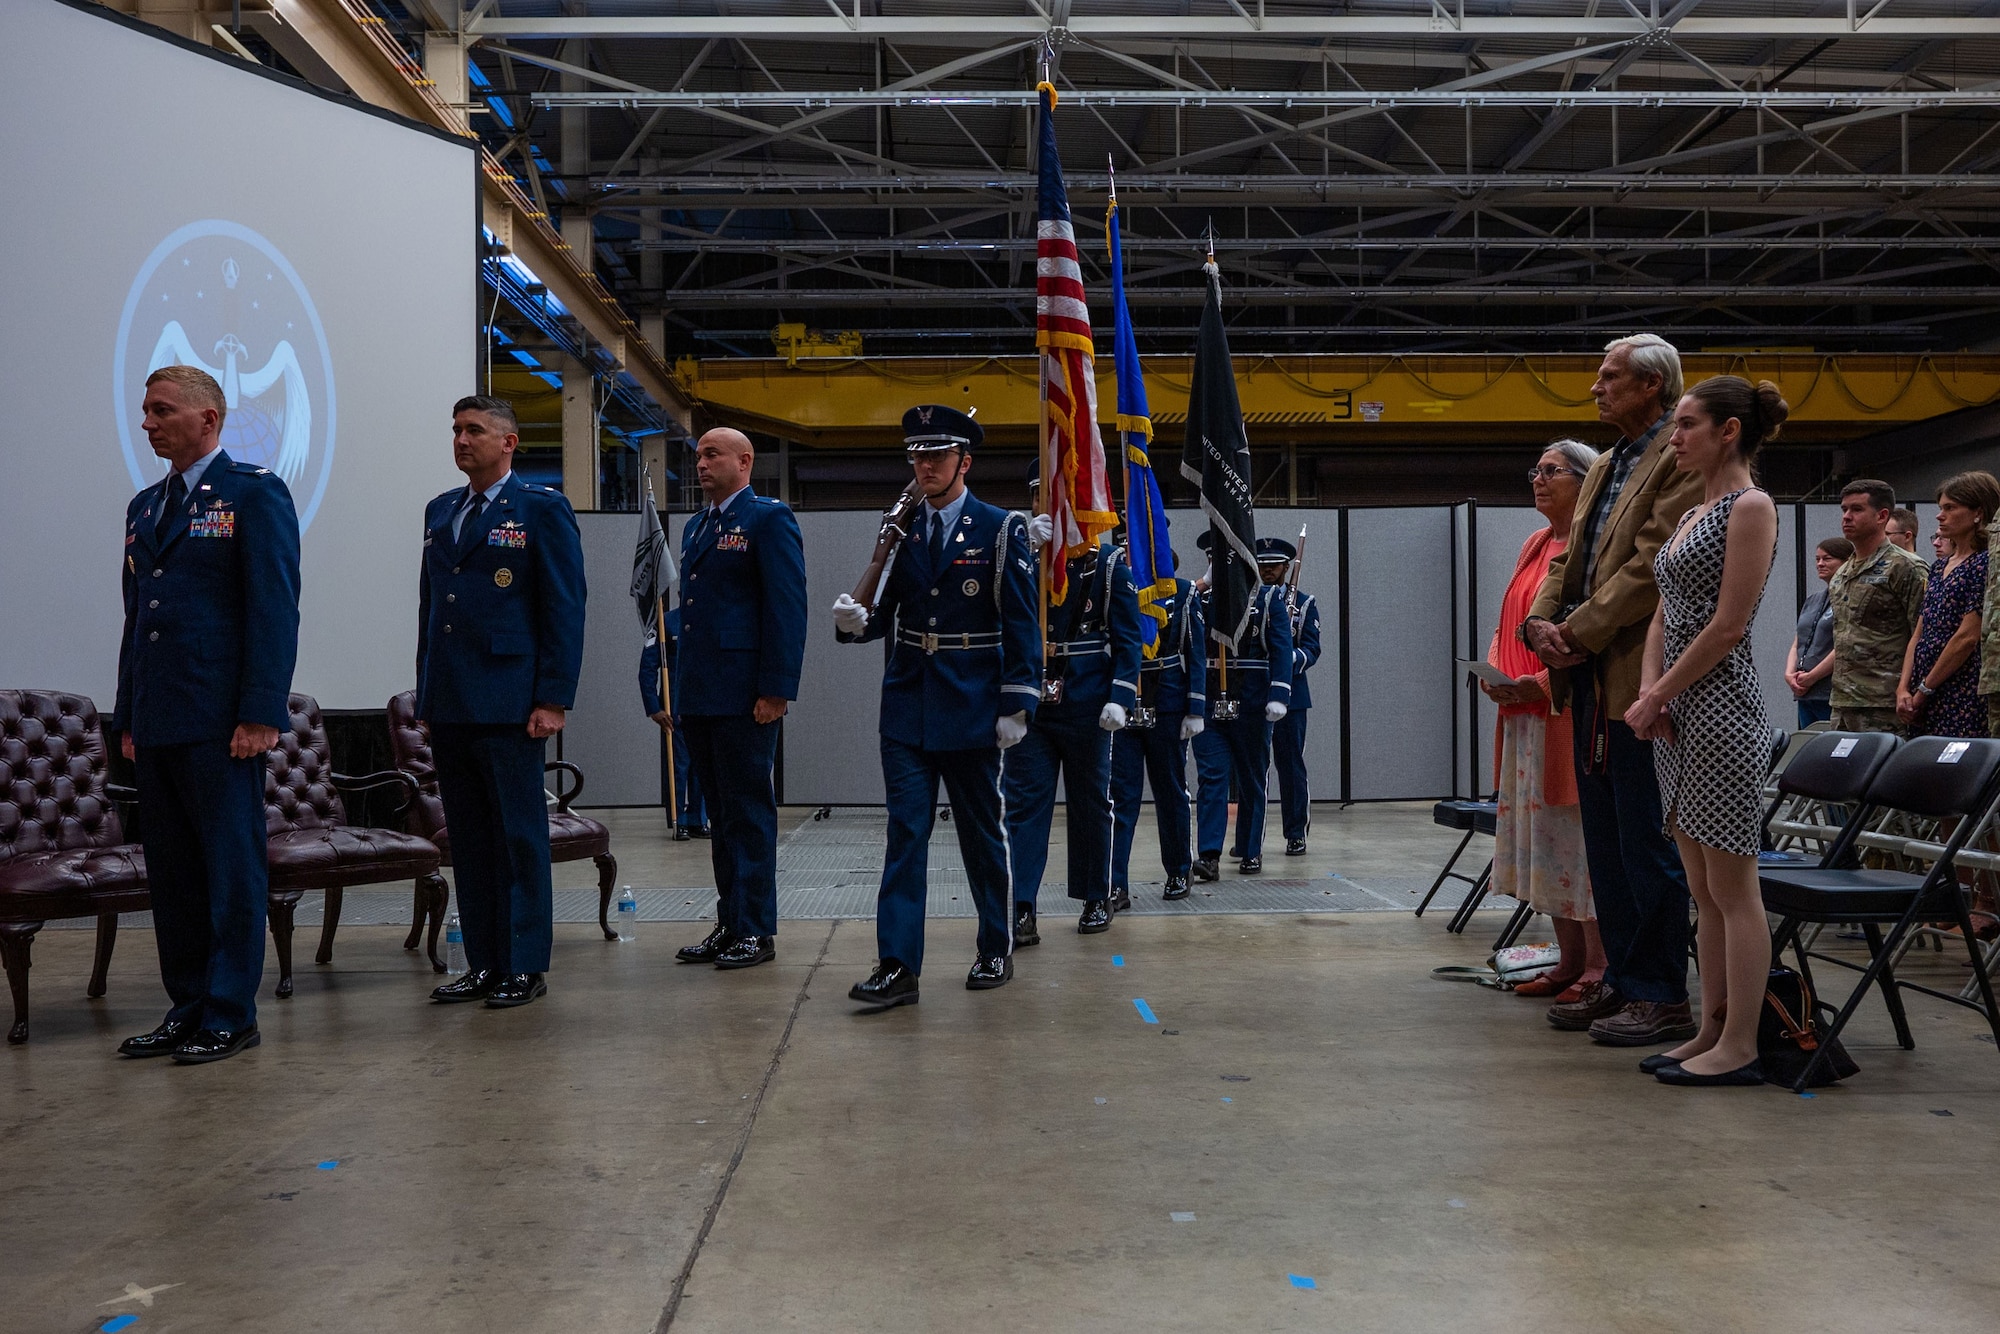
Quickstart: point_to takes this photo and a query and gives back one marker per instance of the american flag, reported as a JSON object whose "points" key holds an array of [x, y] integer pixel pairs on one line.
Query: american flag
{"points": [[1076, 490]]}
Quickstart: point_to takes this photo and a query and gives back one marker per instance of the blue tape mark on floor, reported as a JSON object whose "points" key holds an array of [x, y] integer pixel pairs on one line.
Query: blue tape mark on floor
{"points": [[1145, 1010], [118, 1322], [1117, 961], [1809, 1095], [1229, 1100], [1301, 1281], [329, 1164]]}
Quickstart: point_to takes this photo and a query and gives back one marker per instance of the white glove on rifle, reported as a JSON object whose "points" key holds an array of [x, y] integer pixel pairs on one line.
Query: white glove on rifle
{"points": [[1009, 730], [1274, 711], [849, 616], [1112, 718], [1040, 529], [1192, 726]]}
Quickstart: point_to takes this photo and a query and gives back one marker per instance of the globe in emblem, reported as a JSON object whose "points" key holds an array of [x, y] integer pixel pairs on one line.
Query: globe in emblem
{"points": [[218, 296]]}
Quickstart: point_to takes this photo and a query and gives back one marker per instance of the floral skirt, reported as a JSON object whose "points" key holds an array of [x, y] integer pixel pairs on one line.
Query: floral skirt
{"points": [[1538, 855]]}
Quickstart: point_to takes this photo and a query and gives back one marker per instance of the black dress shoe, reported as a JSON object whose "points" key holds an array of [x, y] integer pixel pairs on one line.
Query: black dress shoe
{"points": [[1741, 1076], [1250, 866], [475, 985], [162, 1041], [747, 952], [1295, 847], [517, 989], [1208, 866], [987, 973], [215, 1044], [1025, 930], [709, 946], [1121, 899], [1657, 1062], [682, 834], [1096, 917], [700, 831], [888, 986], [1177, 888]]}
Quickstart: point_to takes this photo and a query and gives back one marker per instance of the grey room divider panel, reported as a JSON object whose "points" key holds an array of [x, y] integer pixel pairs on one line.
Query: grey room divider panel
{"points": [[1400, 623], [833, 752]]}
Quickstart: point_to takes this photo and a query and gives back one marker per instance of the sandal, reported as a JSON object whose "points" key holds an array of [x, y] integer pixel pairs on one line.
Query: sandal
{"points": [[1988, 930], [1548, 984], [1576, 991]]}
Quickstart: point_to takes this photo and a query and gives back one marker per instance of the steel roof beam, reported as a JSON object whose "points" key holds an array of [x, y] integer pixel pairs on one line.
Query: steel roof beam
{"points": [[1678, 294], [1898, 99]]}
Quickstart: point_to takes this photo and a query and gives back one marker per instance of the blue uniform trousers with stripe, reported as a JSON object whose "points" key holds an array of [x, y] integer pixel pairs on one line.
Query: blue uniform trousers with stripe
{"points": [[1288, 756], [1080, 751], [972, 786], [1239, 750], [1158, 753], [732, 756]]}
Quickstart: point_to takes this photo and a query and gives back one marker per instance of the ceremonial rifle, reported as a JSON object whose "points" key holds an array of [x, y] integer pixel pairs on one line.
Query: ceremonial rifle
{"points": [[888, 541]]}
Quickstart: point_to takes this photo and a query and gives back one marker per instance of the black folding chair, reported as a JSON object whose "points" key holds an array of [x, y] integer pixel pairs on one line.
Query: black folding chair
{"points": [[1934, 777], [1474, 817]]}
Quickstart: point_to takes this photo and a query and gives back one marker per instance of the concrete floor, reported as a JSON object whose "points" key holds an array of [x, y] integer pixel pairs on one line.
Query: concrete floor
{"points": [[1429, 1155]]}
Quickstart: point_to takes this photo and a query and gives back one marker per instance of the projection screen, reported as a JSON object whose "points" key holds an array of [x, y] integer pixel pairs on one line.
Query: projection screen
{"points": [[172, 205]]}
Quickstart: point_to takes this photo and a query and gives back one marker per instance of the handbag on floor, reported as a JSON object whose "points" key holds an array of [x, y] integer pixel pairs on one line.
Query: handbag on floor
{"points": [[1505, 969], [1788, 1034]]}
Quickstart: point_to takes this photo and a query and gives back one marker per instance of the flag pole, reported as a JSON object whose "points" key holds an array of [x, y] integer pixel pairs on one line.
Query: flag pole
{"points": [[1222, 651], [667, 706]]}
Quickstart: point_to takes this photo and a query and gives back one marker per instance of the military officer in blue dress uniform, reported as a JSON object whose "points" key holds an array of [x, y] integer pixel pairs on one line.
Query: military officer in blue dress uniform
{"points": [[1258, 685], [1275, 558], [1154, 744], [964, 677], [742, 643], [499, 645], [211, 585], [1092, 671], [689, 817]]}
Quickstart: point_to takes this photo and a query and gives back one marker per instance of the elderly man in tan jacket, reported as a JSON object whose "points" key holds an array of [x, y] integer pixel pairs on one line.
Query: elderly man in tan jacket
{"points": [[1589, 625]]}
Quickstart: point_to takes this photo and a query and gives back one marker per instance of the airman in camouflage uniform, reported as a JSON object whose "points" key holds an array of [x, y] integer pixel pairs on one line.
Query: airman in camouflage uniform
{"points": [[1876, 601], [1989, 638]]}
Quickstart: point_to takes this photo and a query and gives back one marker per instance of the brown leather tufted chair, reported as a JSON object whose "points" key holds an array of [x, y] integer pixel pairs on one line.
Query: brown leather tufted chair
{"points": [[61, 850], [313, 847], [572, 837]]}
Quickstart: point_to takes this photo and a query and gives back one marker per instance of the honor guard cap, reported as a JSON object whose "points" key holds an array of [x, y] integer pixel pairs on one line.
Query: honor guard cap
{"points": [[932, 426], [1275, 551]]}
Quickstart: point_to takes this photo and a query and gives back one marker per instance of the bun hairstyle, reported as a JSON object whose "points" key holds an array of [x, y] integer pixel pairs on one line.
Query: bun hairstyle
{"points": [[1759, 409]]}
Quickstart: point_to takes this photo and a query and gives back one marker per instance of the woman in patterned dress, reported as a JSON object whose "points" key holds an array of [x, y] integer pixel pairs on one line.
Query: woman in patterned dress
{"points": [[1939, 691], [1538, 855], [1700, 699]]}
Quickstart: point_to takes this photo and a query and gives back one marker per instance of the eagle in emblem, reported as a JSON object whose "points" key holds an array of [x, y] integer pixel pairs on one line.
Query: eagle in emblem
{"points": [[277, 434]]}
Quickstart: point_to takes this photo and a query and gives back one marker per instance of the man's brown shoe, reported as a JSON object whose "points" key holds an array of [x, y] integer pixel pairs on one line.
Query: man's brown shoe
{"points": [[1646, 1024], [1597, 1001]]}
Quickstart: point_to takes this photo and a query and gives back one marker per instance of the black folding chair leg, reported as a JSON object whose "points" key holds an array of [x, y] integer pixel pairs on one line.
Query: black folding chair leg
{"points": [[1445, 874], [1892, 995], [1979, 972], [1473, 898], [1877, 966], [1515, 926]]}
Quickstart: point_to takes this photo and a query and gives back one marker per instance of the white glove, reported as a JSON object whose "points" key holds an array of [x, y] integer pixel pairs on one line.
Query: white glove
{"points": [[1009, 730], [1040, 529], [1112, 718], [849, 616], [1274, 711], [1192, 726]]}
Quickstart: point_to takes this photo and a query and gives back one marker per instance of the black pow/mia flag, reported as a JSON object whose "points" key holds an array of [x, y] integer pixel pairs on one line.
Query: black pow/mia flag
{"points": [[1216, 458]]}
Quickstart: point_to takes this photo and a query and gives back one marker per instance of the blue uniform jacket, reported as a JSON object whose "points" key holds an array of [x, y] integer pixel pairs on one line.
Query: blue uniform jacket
{"points": [[743, 609], [649, 664], [1305, 648], [1094, 640], [211, 609], [1172, 681], [949, 699], [1262, 671], [500, 611]]}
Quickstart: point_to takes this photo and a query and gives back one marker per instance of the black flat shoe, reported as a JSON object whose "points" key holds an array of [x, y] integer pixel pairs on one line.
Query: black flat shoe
{"points": [[699, 831], [1657, 1062], [987, 974], [1742, 1075], [1208, 866], [682, 835], [162, 1041], [1250, 866], [1025, 930], [1177, 888], [517, 989], [888, 986], [1121, 899], [1096, 917], [748, 952], [706, 949], [215, 1044], [1295, 847], [475, 985]]}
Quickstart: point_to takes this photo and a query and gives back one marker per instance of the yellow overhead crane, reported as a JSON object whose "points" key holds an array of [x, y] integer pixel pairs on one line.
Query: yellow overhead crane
{"points": [[1336, 400]]}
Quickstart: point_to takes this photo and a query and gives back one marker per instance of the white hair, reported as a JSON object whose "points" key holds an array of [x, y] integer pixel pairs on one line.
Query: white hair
{"points": [[1654, 356], [1576, 455]]}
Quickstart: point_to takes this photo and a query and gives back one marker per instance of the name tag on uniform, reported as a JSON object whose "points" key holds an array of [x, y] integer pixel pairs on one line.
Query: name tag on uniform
{"points": [[213, 523], [732, 542], [509, 534]]}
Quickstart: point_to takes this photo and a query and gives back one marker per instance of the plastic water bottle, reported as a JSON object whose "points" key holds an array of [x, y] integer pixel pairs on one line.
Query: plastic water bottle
{"points": [[454, 946], [628, 915]]}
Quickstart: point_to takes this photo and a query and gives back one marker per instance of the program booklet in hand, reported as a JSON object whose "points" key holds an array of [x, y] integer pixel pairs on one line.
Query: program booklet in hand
{"points": [[1485, 671]]}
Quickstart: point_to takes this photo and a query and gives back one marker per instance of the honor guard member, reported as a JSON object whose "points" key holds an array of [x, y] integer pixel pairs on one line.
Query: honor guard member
{"points": [[1255, 695], [1154, 744], [1275, 561], [499, 644], [1091, 665], [689, 818], [964, 676], [211, 585], [742, 643]]}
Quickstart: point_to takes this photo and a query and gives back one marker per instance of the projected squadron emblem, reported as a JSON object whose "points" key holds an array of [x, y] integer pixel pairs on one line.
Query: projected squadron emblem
{"points": [[218, 296]]}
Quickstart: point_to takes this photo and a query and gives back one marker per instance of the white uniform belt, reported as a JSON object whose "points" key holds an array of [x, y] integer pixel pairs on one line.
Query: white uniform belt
{"points": [[943, 643], [1075, 648], [1161, 664]]}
